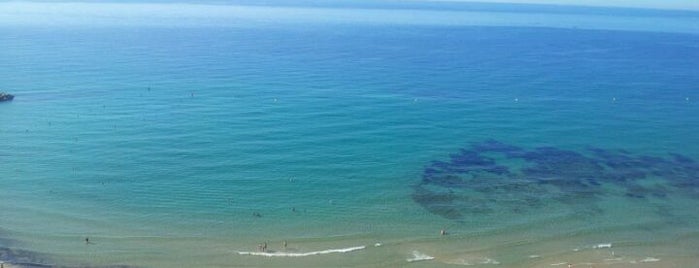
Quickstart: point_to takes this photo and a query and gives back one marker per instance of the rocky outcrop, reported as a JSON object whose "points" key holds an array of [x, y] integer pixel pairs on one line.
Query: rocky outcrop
{"points": [[6, 97]]}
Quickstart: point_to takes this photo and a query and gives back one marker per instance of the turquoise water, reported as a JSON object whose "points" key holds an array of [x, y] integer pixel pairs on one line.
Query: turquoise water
{"points": [[185, 145]]}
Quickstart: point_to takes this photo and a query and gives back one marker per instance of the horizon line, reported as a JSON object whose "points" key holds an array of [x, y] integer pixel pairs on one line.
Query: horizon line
{"points": [[461, 5]]}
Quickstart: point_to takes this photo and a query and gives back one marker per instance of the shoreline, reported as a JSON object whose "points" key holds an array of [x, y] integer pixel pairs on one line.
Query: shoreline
{"points": [[432, 252]]}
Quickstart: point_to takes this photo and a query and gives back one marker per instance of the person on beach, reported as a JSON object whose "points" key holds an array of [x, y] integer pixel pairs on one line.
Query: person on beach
{"points": [[443, 232], [284, 244], [264, 247]]}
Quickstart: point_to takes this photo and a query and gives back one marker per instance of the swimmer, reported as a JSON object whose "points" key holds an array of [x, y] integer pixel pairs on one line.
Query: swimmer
{"points": [[87, 240], [284, 244], [443, 232]]}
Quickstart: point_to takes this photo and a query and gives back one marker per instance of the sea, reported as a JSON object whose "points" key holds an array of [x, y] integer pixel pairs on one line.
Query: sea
{"points": [[348, 134]]}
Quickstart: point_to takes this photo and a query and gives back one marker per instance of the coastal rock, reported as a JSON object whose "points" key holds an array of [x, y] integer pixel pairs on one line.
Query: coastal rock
{"points": [[6, 97]]}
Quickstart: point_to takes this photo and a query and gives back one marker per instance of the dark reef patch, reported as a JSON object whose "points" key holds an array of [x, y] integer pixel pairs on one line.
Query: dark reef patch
{"points": [[29, 259], [482, 179], [23, 258]]}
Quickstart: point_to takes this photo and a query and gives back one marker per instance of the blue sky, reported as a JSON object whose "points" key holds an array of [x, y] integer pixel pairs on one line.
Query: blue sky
{"points": [[242, 13], [663, 4], [652, 4]]}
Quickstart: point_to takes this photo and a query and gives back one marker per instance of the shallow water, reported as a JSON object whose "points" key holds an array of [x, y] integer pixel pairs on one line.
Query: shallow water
{"points": [[175, 146]]}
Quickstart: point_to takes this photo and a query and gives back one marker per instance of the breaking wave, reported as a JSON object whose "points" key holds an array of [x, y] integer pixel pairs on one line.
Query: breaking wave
{"points": [[300, 254]]}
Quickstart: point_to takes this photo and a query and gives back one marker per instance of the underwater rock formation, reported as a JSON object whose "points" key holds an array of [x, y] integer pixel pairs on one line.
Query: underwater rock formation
{"points": [[30, 259], [491, 175]]}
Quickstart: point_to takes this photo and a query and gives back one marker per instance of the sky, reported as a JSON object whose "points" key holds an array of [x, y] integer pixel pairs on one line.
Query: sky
{"points": [[652, 4], [167, 13], [661, 4], [240, 13]]}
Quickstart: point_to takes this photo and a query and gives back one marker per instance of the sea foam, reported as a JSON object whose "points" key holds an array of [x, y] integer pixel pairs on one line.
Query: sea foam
{"points": [[607, 245], [477, 261], [301, 254], [650, 259], [419, 256]]}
